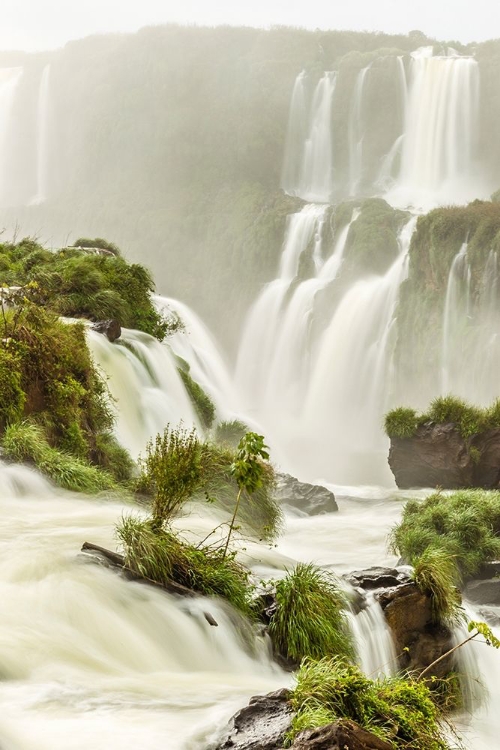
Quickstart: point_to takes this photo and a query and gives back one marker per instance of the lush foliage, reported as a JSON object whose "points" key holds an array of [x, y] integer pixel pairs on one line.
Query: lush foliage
{"points": [[171, 472], [202, 402], [77, 283], [27, 442], [47, 375], [229, 433], [436, 575], [397, 710], [464, 526], [310, 619], [161, 556], [470, 420]]}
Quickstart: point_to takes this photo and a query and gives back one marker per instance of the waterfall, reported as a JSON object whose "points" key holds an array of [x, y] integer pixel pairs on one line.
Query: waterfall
{"points": [[146, 389], [9, 80], [88, 658], [356, 133], [308, 162], [373, 641], [42, 138], [455, 318], [440, 131]]}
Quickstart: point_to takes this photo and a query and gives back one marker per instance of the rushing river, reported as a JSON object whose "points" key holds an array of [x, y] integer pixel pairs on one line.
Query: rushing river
{"points": [[90, 660]]}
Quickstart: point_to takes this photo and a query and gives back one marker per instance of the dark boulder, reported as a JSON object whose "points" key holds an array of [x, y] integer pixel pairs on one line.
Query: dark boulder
{"points": [[485, 591], [309, 498], [341, 735], [418, 639], [261, 725], [436, 456], [378, 578], [109, 328]]}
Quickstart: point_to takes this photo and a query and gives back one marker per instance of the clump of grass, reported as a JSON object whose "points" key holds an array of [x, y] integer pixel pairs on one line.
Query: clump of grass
{"points": [[27, 442], [470, 420], [398, 710], [161, 556], [229, 433], [464, 526], [310, 619], [401, 422], [435, 573]]}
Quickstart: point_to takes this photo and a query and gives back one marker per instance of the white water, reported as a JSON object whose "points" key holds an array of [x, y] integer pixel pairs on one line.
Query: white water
{"points": [[42, 138], [356, 134], [9, 80], [308, 164], [145, 386], [456, 317], [438, 162]]}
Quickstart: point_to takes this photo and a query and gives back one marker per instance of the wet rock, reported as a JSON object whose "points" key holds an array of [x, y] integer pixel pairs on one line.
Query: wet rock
{"points": [[487, 469], [109, 328], [436, 456], [261, 725], [309, 498], [486, 591], [489, 569], [491, 615], [378, 577], [418, 640], [341, 735]]}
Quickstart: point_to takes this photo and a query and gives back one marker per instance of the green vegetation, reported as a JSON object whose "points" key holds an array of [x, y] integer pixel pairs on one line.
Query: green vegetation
{"points": [[161, 556], [27, 442], [463, 526], [47, 375], [401, 422], [205, 407], [397, 710], [470, 420], [230, 433], [309, 619], [435, 574], [76, 283]]}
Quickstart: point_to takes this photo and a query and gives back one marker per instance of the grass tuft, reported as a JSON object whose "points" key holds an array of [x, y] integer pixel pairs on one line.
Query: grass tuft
{"points": [[435, 573], [310, 619]]}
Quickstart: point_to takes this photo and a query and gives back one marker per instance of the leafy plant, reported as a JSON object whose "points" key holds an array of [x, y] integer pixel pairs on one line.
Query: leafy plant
{"points": [[309, 618], [248, 471], [398, 710], [435, 573]]}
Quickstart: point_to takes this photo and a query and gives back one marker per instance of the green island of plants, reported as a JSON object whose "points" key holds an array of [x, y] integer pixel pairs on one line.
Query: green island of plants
{"points": [[464, 526], [403, 422]]}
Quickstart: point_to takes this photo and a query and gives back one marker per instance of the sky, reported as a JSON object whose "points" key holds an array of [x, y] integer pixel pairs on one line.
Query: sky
{"points": [[47, 24]]}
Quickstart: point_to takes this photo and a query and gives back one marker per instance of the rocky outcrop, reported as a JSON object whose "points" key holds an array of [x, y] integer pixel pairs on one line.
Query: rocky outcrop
{"points": [[109, 328], [261, 725], [341, 735], [438, 456], [418, 640], [309, 498]]}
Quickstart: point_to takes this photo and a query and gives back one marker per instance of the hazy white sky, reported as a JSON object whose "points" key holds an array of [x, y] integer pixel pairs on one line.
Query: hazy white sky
{"points": [[45, 24]]}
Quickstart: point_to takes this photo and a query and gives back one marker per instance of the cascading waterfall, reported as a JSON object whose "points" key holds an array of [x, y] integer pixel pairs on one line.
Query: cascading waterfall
{"points": [[42, 138], [356, 133], [308, 164], [9, 80], [373, 641], [146, 389], [455, 319], [440, 131]]}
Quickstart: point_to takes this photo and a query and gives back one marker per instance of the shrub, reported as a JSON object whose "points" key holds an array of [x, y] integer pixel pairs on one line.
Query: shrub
{"points": [[205, 407], [12, 396], [401, 422], [170, 472], [436, 574], [27, 442], [397, 710], [161, 556], [230, 433], [309, 619], [259, 515], [465, 526]]}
